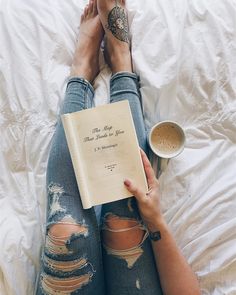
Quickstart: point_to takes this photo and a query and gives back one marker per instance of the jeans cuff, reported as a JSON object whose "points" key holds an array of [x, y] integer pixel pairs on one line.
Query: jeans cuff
{"points": [[81, 81], [127, 77], [125, 74]]}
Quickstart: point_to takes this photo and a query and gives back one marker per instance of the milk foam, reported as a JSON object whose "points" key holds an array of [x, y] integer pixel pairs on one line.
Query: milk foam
{"points": [[166, 139]]}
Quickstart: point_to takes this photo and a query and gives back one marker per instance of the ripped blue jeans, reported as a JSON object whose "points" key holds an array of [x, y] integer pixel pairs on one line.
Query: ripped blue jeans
{"points": [[81, 255]]}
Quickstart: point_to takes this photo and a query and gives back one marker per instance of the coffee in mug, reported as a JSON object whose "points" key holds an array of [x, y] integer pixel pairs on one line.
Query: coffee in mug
{"points": [[167, 139]]}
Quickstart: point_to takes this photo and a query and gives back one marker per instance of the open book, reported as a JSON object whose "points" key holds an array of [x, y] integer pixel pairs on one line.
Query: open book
{"points": [[104, 151]]}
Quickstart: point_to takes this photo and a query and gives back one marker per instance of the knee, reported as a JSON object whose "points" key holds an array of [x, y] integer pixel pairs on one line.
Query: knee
{"points": [[63, 230], [123, 237], [65, 270], [60, 236], [122, 233]]}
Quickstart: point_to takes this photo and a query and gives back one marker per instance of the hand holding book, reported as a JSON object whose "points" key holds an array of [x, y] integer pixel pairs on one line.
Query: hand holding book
{"points": [[148, 202]]}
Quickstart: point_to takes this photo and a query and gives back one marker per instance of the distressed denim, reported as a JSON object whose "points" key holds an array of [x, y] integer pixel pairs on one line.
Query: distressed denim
{"points": [[81, 262]]}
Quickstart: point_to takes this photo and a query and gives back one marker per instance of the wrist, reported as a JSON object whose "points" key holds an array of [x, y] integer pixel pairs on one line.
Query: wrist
{"points": [[156, 224]]}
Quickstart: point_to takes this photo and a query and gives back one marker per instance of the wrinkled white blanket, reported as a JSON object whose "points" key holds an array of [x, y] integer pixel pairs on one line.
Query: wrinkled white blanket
{"points": [[185, 54]]}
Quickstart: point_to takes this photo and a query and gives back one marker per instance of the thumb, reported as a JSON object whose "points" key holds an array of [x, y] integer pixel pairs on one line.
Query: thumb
{"points": [[131, 187]]}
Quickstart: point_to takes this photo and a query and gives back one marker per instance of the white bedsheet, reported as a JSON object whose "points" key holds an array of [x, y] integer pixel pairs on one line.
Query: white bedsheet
{"points": [[185, 54]]}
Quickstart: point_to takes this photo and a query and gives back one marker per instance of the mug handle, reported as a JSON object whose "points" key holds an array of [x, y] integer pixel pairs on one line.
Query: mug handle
{"points": [[162, 165]]}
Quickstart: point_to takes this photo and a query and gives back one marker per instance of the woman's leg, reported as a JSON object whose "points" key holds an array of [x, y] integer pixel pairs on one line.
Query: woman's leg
{"points": [[128, 258], [72, 257]]}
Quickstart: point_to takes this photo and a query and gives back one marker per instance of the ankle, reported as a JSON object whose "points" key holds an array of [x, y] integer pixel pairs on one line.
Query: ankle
{"points": [[85, 69], [120, 62]]}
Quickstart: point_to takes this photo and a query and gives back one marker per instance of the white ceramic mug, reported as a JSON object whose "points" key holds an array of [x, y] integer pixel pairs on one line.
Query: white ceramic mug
{"points": [[167, 140]]}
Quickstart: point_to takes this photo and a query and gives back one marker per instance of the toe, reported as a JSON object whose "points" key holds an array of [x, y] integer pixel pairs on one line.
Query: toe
{"points": [[102, 5], [86, 10], [82, 18], [90, 7], [95, 10]]}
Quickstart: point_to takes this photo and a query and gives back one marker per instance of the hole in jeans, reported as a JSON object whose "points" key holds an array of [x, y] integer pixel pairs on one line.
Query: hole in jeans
{"points": [[123, 238]]}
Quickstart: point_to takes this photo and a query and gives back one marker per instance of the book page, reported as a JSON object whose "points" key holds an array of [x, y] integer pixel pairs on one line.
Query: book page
{"points": [[109, 151]]}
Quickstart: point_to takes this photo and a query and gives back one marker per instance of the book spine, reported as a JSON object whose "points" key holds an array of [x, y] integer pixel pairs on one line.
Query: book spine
{"points": [[77, 160]]}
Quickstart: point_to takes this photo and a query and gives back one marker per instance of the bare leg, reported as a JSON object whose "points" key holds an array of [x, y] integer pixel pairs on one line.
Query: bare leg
{"points": [[114, 20], [86, 63]]}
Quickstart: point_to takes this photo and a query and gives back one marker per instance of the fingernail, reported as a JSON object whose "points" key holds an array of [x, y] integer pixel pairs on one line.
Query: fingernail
{"points": [[127, 182]]}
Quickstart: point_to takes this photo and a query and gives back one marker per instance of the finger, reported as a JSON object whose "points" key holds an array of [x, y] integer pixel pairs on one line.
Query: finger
{"points": [[148, 169], [138, 193], [95, 10], [86, 10]]}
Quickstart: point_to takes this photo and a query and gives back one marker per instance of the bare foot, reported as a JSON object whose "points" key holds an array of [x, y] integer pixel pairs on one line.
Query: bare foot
{"points": [[86, 59], [114, 19]]}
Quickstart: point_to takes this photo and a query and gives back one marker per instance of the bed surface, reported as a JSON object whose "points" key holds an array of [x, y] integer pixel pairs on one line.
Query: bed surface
{"points": [[185, 54]]}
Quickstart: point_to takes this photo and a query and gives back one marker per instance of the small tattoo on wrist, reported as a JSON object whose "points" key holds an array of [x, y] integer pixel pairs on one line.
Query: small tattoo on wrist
{"points": [[155, 236], [118, 23]]}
